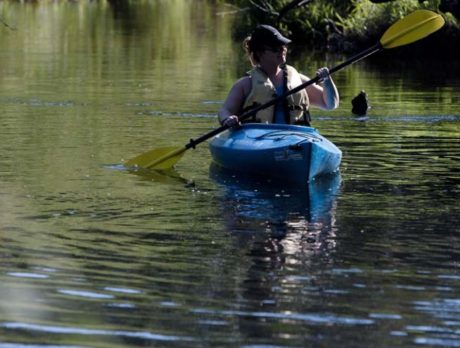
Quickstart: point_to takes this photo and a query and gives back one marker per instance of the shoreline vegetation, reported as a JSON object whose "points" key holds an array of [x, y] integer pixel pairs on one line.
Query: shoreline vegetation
{"points": [[345, 26]]}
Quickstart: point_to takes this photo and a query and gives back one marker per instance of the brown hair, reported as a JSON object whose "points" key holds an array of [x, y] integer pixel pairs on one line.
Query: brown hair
{"points": [[252, 50]]}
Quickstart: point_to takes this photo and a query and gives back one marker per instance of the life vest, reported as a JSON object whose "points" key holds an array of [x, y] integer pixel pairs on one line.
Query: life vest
{"points": [[295, 105]]}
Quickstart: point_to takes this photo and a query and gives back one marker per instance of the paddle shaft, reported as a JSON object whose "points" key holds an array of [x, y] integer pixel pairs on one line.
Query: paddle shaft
{"points": [[371, 50]]}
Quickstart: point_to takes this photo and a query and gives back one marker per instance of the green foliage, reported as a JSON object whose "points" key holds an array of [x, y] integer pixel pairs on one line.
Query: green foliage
{"points": [[334, 24], [309, 23], [369, 19]]}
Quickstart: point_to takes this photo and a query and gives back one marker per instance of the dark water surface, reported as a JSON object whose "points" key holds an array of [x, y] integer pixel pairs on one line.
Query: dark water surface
{"points": [[92, 255]]}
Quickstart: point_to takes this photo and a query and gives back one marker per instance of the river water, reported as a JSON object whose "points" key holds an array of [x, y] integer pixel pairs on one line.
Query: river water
{"points": [[93, 255]]}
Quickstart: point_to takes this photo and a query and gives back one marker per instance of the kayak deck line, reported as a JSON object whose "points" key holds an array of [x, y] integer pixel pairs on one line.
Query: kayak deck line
{"points": [[281, 134]]}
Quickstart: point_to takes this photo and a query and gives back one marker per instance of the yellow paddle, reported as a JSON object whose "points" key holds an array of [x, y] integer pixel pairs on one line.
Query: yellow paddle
{"points": [[411, 28], [161, 158]]}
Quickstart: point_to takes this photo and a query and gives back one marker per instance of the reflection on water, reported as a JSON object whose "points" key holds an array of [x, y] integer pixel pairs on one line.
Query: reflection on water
{"points": [[276, 219], [171, 176], [93, 255], [267, 205]]}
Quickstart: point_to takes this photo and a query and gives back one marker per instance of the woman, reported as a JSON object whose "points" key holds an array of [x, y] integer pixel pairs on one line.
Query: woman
{"points": [[271, 77]]}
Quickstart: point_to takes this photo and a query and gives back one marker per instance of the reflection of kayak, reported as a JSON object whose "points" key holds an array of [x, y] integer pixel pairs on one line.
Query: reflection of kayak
{"points": [[292, 153], [264, 199]]}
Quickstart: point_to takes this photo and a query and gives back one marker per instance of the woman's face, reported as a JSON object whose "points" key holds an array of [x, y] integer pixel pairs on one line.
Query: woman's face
{"points": [[274, 55]]}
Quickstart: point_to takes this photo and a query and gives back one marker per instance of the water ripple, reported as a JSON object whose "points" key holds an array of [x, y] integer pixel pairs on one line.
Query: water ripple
{"points": [[327, 319], [437, 342], [27, 275], [20, 345], [86, 294], [93, 332], [122, 290]]}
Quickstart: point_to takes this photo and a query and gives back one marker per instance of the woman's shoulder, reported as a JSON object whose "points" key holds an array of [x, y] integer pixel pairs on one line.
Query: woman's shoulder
{"points": [[291, 70], [244, 84]]}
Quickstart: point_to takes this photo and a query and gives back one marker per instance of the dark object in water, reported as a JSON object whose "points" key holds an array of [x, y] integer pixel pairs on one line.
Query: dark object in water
{"points": [[360, 104]]}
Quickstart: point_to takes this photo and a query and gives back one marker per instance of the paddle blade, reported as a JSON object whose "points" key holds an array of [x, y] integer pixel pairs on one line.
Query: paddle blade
{"points": [[416, 26], [159, 159]]}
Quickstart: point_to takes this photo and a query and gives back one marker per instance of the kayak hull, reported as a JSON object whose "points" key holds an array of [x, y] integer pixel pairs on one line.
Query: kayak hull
{"points": [[287, 152]]}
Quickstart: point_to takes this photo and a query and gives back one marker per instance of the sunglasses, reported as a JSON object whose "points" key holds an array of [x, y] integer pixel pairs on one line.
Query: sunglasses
{"points": [[275, 49]]}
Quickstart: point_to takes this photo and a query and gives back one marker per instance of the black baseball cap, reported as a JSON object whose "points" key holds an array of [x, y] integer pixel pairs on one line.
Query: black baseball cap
{"points": [[266, 35]]}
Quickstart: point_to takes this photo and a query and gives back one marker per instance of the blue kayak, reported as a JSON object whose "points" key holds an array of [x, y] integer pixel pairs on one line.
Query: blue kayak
{"points": [[287, 152]]}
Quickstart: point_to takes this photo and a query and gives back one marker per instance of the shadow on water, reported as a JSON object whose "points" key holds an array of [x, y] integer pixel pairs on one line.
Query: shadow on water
{"points": [[131, 19]]}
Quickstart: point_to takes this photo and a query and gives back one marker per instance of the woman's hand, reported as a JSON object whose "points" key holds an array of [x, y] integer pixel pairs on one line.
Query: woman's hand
{"points": [[323, 74], [231, 121]]}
